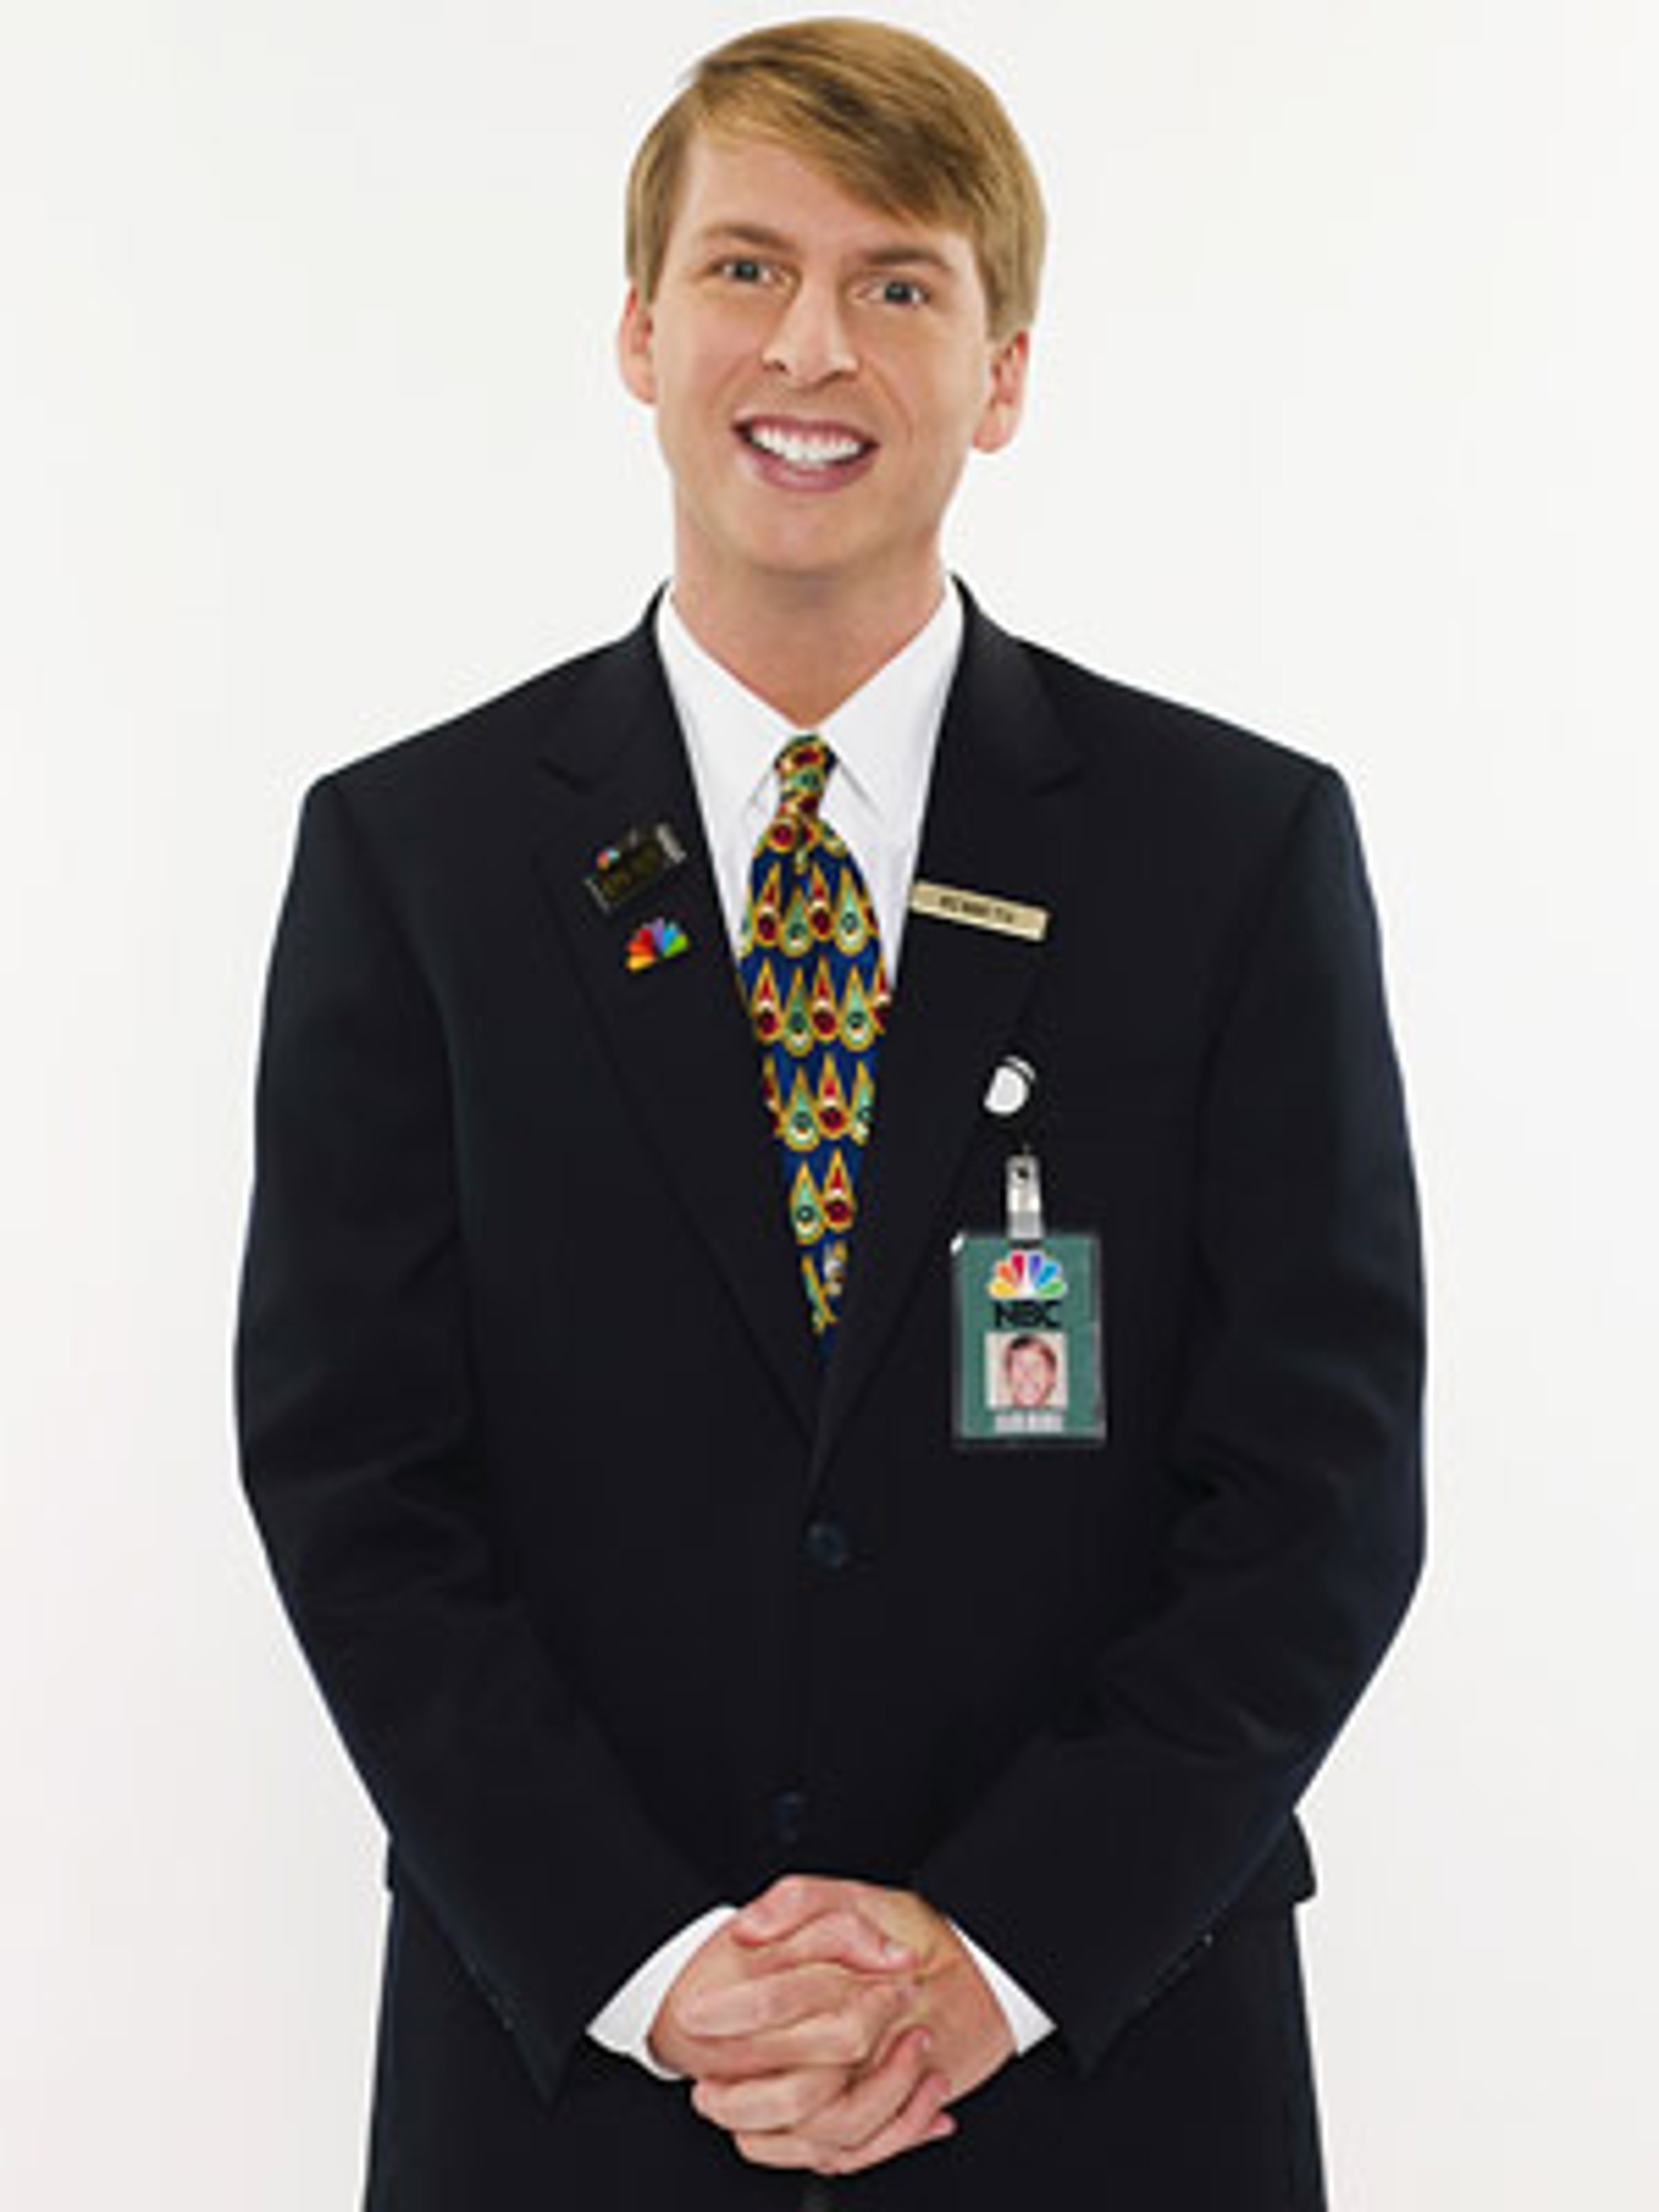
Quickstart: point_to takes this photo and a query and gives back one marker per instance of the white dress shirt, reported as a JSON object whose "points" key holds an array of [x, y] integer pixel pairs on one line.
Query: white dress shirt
{"points": [[883, 738]]}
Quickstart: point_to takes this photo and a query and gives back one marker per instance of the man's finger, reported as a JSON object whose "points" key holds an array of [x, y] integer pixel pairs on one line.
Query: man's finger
{"points": [[870, 2103], [768, 2104], [842, 1938], [920, 2119], [852, 2113], [777, 2000], [847, 2032], [789, 1904]]}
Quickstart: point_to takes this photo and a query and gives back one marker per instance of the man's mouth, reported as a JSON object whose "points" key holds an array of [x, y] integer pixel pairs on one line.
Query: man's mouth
{"points": [[816, 449]]}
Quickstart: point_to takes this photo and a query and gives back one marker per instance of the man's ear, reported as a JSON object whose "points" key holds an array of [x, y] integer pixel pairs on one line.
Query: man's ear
{"points": [[1005, 402], [633, 357]]}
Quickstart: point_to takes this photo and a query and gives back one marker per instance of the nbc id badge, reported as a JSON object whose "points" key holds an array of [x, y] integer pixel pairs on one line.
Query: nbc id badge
{"points": [[1028, 1364]]}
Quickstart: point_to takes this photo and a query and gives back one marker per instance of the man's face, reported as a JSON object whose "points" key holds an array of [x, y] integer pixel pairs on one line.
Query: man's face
{"points": [[820, 372], [1031, 1374]]}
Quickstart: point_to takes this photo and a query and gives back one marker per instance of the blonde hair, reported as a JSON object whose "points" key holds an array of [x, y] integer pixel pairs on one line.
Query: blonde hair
{"points": [[894, 120]]}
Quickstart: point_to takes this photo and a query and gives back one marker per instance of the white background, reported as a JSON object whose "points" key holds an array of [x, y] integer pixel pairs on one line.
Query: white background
{"points": [[1342, 426]]}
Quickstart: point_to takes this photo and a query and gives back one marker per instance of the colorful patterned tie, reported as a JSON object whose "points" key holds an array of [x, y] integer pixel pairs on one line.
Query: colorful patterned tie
{"points": [[816, 989]]}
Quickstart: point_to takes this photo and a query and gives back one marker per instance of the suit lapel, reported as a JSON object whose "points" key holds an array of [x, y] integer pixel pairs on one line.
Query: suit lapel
{"points": [[997, 820], [676, 1031]]}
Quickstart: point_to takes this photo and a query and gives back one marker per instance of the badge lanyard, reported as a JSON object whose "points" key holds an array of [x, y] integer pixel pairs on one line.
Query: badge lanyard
{"points": [[1029, 1370]]}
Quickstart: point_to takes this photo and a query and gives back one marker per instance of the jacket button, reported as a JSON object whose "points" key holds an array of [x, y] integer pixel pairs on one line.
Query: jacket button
{"points": [[827, 1544], [789, 1816]]}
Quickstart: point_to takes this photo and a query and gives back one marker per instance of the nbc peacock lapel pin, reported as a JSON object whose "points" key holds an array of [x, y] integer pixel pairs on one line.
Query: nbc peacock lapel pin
{"points": [[655, 943]]}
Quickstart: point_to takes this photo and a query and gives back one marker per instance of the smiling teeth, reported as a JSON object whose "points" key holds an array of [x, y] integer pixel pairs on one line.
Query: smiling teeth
{"points": [[803, 452]]}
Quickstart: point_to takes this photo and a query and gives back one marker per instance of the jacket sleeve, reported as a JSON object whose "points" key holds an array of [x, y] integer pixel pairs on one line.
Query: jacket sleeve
{"points": [[1108, 1850], [363, 1462]]}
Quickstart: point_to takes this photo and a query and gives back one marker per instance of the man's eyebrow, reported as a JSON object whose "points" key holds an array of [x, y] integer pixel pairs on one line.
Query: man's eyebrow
{"points": [[742, 233], [898, 253], [908, 253]]}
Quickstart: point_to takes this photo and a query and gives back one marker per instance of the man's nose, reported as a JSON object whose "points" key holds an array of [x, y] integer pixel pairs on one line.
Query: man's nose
{"points": [[810, 341]]}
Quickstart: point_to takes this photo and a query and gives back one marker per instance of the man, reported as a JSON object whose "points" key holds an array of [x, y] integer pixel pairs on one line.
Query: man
{"points": [[676, 1073], [1030, 1371]]}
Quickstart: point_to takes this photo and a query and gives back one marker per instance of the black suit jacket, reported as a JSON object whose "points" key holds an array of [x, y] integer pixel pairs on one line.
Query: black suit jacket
{"points": [[543, 1452]]}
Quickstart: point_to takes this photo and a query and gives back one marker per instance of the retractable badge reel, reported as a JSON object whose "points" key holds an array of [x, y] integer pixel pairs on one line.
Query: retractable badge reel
{"points": [[1028, 1364]]}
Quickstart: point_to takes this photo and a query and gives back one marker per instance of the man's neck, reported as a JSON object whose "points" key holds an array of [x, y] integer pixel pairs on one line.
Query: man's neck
{"points": [[807, 644]]}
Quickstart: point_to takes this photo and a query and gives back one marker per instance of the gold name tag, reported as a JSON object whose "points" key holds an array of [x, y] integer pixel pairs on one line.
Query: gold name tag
{"points": [[979, 910]]}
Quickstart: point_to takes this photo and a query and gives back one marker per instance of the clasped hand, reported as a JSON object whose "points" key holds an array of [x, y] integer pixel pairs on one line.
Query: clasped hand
{"points": [[829, 2024]]}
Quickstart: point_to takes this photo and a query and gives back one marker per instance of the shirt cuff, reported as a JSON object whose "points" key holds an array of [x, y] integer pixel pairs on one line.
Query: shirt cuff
{"points": [[624, 2024], [1028, 2023]]}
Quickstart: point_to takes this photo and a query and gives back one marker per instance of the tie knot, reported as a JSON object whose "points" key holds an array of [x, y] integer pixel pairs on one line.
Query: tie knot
{"points": [[804, 767]]}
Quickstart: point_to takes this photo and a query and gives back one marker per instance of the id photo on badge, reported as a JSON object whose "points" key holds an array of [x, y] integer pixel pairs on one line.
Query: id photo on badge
{"points": [[1026, 1372]]}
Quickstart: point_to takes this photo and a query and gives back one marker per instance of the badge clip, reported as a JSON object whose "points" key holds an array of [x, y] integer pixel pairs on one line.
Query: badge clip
{"points": [[1025, 1198]]}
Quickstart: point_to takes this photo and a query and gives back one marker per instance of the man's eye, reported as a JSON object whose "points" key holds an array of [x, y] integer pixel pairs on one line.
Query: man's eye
{"points": [[743, 269], [900, 292]]}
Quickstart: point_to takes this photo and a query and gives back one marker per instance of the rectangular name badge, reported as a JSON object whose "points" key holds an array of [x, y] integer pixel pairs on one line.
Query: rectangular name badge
{"points": [[980, 911], [636, 863], [1028, 1367]]}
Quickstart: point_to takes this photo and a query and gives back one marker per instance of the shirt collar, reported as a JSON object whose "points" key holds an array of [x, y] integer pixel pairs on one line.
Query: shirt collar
{"points": [[882, 735]]}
